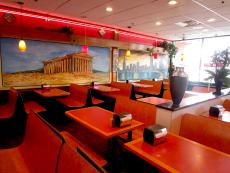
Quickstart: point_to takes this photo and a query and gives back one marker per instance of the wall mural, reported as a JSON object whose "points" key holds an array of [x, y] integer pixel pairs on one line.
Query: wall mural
{"points": [[52, 63], [140, 65]]}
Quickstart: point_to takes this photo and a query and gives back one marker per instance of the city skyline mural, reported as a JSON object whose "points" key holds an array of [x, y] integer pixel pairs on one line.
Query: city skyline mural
{"points": [[140, 65], [52, 63]]}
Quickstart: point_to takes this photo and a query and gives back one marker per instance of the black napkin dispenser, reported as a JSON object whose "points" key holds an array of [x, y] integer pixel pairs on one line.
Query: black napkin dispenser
{"points": [[155, 134], [122, 119], [215, 110]]}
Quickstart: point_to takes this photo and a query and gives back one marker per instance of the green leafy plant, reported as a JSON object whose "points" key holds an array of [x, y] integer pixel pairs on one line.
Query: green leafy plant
{"points": [[220, 60], [172, 50]]}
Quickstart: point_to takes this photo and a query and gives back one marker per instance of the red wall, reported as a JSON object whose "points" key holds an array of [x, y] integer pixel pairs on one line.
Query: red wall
{"points": [[27, 27]]}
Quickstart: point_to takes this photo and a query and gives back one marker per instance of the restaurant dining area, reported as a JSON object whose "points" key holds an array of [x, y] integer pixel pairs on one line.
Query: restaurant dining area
{"points": [[114, 86]]}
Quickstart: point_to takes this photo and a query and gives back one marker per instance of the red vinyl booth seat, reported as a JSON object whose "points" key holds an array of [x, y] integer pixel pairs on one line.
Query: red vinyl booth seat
{"points": [[7, 110], [77, 98], [44, 151], [154, 90], [125, 90], [140, 111], [208, 131], [226, 105], [71, 161], [34, 106], [38, 152], [203, 89]]}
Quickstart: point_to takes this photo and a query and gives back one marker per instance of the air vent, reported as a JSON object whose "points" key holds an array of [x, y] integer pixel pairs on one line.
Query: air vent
{"points": [[188, 23]]}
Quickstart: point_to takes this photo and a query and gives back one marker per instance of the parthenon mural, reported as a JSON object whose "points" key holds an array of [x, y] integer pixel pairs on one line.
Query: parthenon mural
{"points": [[75, 62]]}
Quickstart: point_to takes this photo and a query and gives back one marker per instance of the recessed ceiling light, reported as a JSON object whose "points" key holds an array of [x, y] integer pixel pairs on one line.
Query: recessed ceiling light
{"points": [[158, 23], [172, 2], [109, 9], [205, 30], [211, 20], [197, 27]]}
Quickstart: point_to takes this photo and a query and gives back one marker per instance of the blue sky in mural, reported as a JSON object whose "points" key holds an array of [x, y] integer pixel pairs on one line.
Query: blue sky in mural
{"points": [[38, 51]]}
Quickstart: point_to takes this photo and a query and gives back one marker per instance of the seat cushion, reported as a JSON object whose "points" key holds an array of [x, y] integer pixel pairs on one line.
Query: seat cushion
{"points": [[70, 102], [96, 101], [11, 160], [34, 106], [71, 161]]}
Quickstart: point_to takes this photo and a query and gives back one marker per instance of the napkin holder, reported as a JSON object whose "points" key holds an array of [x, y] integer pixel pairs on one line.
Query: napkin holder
{"points": [[155, 134], [122, 119], [215, 110]]}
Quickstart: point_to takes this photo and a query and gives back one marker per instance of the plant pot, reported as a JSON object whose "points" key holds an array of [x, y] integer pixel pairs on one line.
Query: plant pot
{"points": [[178, 85], [218, 86]]}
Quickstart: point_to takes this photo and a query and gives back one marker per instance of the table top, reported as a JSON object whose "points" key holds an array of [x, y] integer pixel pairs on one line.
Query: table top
{"points": [[179, 154], [154, 100], [225, 116], [104, 88], [140, 85], [51, 92], [99, 121]]}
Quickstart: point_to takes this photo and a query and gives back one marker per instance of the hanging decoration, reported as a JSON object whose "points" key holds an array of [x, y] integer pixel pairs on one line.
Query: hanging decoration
{"points": [[84, 48], [128, 53], [155, 55], [21, 44]]}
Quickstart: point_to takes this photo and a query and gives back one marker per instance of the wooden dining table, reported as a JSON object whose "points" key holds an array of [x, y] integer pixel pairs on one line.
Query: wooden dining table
{"points": [[104, 88], [51, 92], [100, 121], [154, 100], [179, 154]]}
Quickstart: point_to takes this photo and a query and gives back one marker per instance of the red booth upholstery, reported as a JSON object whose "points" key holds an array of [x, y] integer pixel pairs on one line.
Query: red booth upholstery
{"points": [[208, 131], [43, 151], [78, 97]]}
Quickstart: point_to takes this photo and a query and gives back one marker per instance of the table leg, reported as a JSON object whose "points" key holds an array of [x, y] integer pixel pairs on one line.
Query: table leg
{"points": [[130, 136]]}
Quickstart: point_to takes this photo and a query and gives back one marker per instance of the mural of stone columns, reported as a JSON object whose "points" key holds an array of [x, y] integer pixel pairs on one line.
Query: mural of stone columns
{"points": [[76, 62]]}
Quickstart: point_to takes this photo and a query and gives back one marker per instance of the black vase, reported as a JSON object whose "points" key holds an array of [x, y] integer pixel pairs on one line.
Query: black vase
{"points": [[178, 85]]}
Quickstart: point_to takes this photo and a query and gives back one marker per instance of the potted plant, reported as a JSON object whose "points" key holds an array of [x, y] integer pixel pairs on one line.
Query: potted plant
{"points": [[220, 60], [172, 50]]}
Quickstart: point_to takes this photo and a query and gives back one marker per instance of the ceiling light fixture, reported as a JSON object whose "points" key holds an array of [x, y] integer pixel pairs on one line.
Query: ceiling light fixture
{"points": [[211, 20], [21, 43], [158, 23], [109, 9], [172, 2]]}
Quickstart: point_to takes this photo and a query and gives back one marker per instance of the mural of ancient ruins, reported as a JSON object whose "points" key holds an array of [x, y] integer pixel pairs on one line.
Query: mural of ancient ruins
{"points": [[76, 62], [57, 64]]}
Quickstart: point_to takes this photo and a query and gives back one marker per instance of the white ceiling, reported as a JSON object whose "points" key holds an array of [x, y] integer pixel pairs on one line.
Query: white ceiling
{"points": [[142, 14]]}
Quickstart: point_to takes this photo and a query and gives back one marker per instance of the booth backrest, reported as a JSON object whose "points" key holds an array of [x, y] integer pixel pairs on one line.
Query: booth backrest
{"points": [[41, 146], [208, 131], [140, 111], [167, 94], [125, 88], [71, 161], [79, 93], [202, 89], [156, 85], [226, 105], [9, 108]]}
